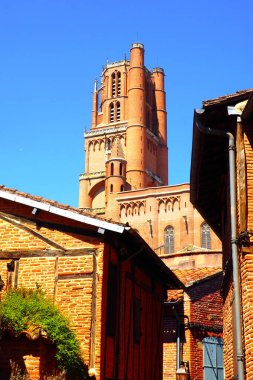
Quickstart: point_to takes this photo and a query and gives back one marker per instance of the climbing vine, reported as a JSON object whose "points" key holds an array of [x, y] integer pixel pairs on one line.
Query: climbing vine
{"points": [[25, 309]]}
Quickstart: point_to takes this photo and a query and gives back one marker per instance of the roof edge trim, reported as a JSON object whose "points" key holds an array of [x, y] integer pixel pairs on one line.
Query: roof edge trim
{"points": [[60, 212]]}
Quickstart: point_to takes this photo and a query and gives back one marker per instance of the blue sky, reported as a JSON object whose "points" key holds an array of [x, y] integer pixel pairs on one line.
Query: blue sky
{"points": [[51, 52]]}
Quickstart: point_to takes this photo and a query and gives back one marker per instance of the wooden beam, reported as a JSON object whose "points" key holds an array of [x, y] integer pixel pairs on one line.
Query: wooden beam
{"points": [[6, 255]]}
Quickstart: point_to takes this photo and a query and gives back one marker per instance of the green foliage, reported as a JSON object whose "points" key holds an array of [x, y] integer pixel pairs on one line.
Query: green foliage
{"points": [[24, 308]]}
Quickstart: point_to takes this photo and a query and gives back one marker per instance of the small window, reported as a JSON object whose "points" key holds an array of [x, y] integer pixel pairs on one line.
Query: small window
{"points": [[111, 189], [108, 144], [121, 188], [111, 113], [169, 239], [112, 168], [118, 111], [213, 358], [113, 85], [119, 84], [205, 236], [120, 168]]}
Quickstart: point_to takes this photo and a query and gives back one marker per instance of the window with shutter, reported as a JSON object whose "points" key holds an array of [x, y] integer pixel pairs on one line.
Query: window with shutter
{"points": [[213, 358]]}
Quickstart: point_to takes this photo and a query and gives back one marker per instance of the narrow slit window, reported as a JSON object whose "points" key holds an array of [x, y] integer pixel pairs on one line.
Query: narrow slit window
{"points": [[111, 112], [108, 144], [119, 84], [120, 169], [169, 239], [113, 85], [118, 111], [112, 168], [205, 236]]}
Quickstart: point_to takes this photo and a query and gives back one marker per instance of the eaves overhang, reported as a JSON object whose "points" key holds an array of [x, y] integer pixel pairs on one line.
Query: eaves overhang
{"points": [[58, 211], [209, 165]]}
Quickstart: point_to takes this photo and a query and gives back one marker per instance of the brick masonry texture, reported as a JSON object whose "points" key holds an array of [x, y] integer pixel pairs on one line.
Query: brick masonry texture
{"points": [[202, 306], [66, 278]]}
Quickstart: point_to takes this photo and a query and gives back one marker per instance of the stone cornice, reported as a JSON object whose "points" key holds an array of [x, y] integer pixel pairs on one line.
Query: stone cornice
{"points": [[92, 175], [106, 131]]}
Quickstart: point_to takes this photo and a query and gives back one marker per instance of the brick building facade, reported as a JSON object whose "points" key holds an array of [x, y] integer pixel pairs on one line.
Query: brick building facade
{"points": [[102, 275], [81, 259], [221, 190], [193, 319], [126, 160]]}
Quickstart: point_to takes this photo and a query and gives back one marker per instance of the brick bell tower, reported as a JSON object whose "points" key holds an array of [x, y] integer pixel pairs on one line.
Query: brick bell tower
{"points": [[126, 147]]}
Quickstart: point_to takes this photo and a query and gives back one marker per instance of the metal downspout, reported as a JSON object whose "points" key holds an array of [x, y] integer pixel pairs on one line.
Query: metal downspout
{"points": [[235, 260], [178, 342]]}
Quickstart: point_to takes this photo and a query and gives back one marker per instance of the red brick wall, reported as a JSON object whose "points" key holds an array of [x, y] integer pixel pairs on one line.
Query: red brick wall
{"points": [[206, 306], [203, 305], [20, 356], [63, 265]]}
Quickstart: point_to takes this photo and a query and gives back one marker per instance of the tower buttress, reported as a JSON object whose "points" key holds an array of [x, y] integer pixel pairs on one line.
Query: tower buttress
{"points": [[136, 134], [161, 116]]}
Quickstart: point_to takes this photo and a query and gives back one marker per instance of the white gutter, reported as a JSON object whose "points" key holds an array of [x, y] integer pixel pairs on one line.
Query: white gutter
{"points": [[61, 212]]}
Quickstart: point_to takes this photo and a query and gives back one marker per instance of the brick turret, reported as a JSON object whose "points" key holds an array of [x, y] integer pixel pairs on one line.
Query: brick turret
{"points": [[136, 135], [115, 181], [130, 112], [161, 117]]}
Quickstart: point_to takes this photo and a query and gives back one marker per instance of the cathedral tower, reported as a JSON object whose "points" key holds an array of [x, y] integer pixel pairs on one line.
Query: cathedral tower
{"points": [[126, 147]]}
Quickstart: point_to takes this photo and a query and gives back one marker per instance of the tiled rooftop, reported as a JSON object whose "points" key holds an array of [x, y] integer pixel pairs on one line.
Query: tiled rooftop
{"points": [[175, 295], [189, 276]]}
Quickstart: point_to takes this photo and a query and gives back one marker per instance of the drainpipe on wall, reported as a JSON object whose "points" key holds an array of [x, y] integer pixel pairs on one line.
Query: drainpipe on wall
{"points": [[235, 259], [178, 342], [178, 338]]}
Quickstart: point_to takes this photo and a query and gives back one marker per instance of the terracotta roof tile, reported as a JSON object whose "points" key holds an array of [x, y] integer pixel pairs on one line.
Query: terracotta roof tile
{"points": [[55, 204], [190, 276], [175, 295]]}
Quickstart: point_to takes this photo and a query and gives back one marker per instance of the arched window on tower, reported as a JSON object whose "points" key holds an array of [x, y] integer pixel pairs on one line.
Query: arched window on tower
{"points": [[118, 111], [113, 85], [120, 168], [169, 239], [112, 168], [205, 236], [108, 144], [111, 113], [119, 83]]}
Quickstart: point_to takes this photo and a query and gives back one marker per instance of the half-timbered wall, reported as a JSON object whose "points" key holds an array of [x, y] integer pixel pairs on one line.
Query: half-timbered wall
{"points": [[66, 266]]}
